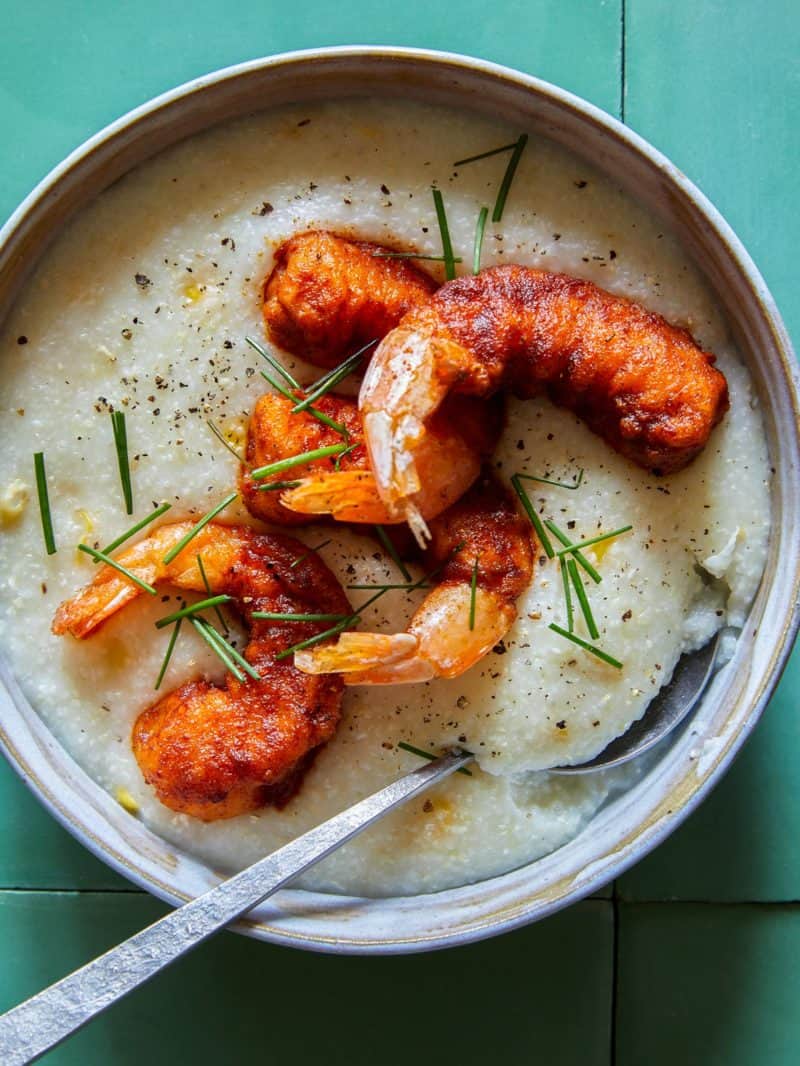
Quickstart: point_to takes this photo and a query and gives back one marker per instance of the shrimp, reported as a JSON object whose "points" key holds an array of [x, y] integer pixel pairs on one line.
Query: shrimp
{"points": [[217, 751], [462, 434], [485, 555], [328, 296], [642, 384]]}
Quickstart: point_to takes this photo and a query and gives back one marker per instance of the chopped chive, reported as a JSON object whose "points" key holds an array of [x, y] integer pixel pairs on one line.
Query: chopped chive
{"points": [[229, 649], [430, 756], [278, 616], [478, 247], [567, 594], [275, 486], [485, 155], [447, 247], [278, 386], [207, 587], [121, 442], [273, 362], [297, 460], [587, 646], [135, 529], [576, 484], [221, 438], [583, 599], [191, 609], [206, 633], [383, 537], [536, 521], [508, 177], [199, 527], [473, 593], [313, 411], [332, 378], [350, 448], [117, 566], [351, 620], [44, 503], [593, 540], [415, 255], [310, 551], [170, 648], [579, 556]]}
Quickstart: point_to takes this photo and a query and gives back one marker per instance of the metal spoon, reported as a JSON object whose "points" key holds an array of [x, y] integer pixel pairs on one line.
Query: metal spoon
{"points": [[666, 711], [42, 1022]]}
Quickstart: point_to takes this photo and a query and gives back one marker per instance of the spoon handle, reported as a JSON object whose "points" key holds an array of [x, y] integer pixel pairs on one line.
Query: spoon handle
{"points": [[43, 1021]]}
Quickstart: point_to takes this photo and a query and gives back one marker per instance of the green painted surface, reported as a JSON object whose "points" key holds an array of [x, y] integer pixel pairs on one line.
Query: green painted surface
{"points": [[708, 986]]}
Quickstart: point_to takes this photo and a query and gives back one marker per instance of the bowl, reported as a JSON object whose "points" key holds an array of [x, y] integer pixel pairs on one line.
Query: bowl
{"points": [[688, 764]]}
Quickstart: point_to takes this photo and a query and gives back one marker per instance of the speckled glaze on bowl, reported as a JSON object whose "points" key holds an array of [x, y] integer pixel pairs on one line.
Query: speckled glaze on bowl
{"points": [[690, 764]]}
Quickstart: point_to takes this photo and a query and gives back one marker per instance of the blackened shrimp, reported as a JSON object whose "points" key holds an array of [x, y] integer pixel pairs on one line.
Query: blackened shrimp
{"points": [[484, 553], [328, 296], [216, 751], [642, 384]]}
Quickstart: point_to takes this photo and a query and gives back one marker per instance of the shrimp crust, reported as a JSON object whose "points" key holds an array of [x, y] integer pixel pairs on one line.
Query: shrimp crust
{"points": [[217, 751], [482, 551], [327, 296]]}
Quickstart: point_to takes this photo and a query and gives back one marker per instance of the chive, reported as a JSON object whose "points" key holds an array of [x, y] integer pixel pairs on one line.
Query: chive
{"points": [[279, 387], [229, 649], [341, 455], [430, 756], [567, 594], [313, 411], [479, 230], [44, 503], [297, 460], [275, 486], [109, 548], [576, 484], [351, 620], [485, 155], [278, 616], [170, 648], [121, 442], [579, 556], [198, 527], [383, 537], [473, 593], [207, 586], [191, 609], [536, 521], [415, 255], [593, 540], [310, 551], [586, 646], [333, 377], [117, 566], [583, 599], [221, 438], [508, 177], [273, 362], [447, 247], [206, 633]]}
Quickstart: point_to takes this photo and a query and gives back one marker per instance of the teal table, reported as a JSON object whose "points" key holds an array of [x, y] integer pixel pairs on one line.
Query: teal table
{"points": [[692, 958]]}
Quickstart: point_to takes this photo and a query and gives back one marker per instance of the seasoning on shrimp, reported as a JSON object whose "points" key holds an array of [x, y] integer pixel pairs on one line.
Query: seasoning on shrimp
{"points": [[217, 751]]}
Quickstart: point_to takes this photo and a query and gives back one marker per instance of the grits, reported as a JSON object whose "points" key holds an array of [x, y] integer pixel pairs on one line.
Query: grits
{"points": [[143, 304]]}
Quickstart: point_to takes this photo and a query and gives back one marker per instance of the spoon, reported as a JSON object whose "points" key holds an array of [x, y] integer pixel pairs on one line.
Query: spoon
{"points": [[666, 711], [42, 1022]]}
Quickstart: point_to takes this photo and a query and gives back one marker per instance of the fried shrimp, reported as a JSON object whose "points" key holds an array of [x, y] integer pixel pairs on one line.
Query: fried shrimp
{"points": [[217, 751], [461, 435], [484, 553], [640, 383], [328, 296]]}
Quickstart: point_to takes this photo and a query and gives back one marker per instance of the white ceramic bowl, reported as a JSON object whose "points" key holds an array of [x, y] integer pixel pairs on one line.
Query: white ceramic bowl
{"points": [[688, 766]]}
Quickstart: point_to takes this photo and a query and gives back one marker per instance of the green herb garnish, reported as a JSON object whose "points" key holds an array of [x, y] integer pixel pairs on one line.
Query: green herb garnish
{"points": [[199, 527], [208, 633], [485, 155], [478, 246], [508, 177], [583, 599], [278, 387], [385, 540], [278, 367], [135, 529], [192, 608], [222, 439], [275, 486], [44, 503], [444, 230], [297, 460], [310, 551], [207, 587], [332, 378], [346, 623], [341, 455], [586, 646], [285, 616], [536, 521], [103, 558], [430, 756], [121, 443], [170, 648], [473, 593], [567, 594], [579, 556], [592, 540], [576, 484]]}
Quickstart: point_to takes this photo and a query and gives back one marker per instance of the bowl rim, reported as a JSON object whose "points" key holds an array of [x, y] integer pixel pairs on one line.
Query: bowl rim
{"points": [[488, 922]]}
